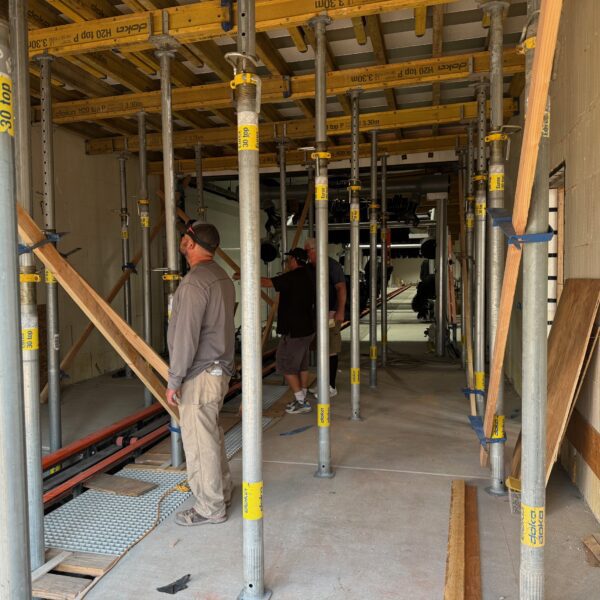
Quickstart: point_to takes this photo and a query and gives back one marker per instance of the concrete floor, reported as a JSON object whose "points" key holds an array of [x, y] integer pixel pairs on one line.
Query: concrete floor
{"points": [[379, 528]]}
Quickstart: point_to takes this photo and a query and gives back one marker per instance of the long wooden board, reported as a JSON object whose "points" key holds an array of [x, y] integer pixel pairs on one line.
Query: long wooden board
{"points": [[569, 353], [82, 563], [59, 587], [69, 357], [541, 72], [117, 485], [134, 351], [472, 548], [586, 440]]}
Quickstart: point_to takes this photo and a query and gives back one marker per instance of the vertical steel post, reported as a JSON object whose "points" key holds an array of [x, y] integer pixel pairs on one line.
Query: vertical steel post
{"points": [[144, 213], [354, 188], [125, 258], [28, 290], [200, 182], [165, 54], [479, 258], [384, 259], [310, 172], [373, 215], [324, 469], [247, 90], [441, 271], [283, 199], [15, 574], [495, 236], [462, 197], [53, 337], [470, 214], [534, 366]]}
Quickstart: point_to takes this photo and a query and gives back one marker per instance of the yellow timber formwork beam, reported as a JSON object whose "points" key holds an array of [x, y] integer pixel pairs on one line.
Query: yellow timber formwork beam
{"points": [[305, 128], [198, 21], [297, 157], [280, 89]]}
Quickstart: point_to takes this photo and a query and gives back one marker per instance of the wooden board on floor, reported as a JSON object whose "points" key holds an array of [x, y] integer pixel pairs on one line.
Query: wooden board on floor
{"points": [[463, 563], [586, 440], [82, 563], [120, 486], [59, 587], [591, 545], [569, 355]]}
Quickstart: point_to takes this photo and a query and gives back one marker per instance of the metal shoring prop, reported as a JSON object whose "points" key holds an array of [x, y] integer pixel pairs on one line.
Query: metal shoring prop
{"points": [[322, 157], [15, 575], [470, 212], [479, 258], [200, 183], [28, 289], [384, 257], [355, 258], [144, 214], [246, 84], [535, 356], [310, 173], [496, 246], [441, 271], [462, 197], [125, 256], [53, 333], [165, 52], [373, 216], [281, 146]]}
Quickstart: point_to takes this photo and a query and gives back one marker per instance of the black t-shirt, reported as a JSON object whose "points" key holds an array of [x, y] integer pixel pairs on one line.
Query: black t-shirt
{"points": [[297, 296], [336, 275]]}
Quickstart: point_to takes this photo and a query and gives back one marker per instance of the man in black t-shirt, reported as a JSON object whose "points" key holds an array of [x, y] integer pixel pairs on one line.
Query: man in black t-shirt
{"points": [[295, 325]]}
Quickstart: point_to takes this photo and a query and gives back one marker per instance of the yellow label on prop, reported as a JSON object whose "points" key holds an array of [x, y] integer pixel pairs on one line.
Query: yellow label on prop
{"points": [[373, 228], [145, 221], [355, 376], [124, 234], [323, 415], [354, 215], [529, 43], [29, 278], [479, 380], [546, 125], [248, 137], [55, 469], [50, 277], [321, 192], [533, 525], [252, 494], [373, 352], [498, 427], [30, 339], [496, 182], [470, 221], [480, 209], [6, 105]]}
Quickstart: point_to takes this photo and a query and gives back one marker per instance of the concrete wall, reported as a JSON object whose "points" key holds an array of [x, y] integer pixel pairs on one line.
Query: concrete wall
{"points": [[87, 206]]}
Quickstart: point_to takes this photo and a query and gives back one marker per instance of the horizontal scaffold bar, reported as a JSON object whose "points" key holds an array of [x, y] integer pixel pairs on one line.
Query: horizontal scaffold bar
{"points": [[281, 89], [305, 128], [297, 157], [199, 21]]}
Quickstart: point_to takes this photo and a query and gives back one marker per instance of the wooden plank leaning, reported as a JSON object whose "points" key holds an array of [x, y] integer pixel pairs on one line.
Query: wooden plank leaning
{"points": [[134, 351], [541, 72], [69, 357]]}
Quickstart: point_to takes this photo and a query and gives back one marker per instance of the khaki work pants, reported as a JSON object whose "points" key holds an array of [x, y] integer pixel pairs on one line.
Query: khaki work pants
{"points": [[207, 467]]}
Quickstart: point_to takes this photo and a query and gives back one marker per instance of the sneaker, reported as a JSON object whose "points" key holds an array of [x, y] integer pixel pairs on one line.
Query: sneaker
{"points": [[298, 408], [191, 517], [332, 392], [313, 390], [291, 403]]}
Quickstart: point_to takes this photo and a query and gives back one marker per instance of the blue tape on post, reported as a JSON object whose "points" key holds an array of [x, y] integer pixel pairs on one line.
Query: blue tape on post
{"points": [[227, 24], [467, 392], [174, 429], [477, 425]]}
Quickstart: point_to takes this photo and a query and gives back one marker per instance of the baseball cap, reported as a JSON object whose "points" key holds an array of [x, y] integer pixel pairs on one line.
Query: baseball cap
{"points": [[299, 254], [204, 234]]}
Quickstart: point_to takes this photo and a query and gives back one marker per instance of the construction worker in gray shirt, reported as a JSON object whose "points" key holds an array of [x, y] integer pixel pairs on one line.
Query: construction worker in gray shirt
{"points": [[201, 352]]}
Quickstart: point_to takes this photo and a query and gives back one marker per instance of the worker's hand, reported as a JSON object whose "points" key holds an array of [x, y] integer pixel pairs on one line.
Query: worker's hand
{"points": [[173, 397], [236, 276], [339, 316]]}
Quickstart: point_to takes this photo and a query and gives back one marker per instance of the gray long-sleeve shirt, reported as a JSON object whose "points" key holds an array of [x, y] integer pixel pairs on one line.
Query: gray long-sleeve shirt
{"points": [[201, 329]]}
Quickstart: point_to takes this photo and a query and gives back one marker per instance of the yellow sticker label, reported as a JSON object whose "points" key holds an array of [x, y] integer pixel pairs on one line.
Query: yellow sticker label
{"points": [[321, 192], [248, 137], [30, 339], [470, 221], [29, 278], [323, 415], [373, 228], [546, 125], [145, 221], [354, 215], [124, 234], [355, 376], [496, 182], [479, 380], [50, 277], [533, 525], [55, 469], [252, 500], [498, 427], [480, 209], [7, 121], [373, 352]]}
